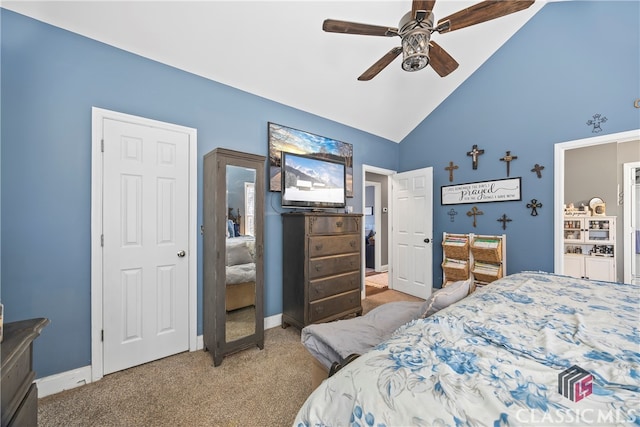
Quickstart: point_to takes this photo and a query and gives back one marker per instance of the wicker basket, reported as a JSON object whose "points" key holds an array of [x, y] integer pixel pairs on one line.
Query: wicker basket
{"points": [[455, 273], [456, 251], [487, 278], [487, 254]]}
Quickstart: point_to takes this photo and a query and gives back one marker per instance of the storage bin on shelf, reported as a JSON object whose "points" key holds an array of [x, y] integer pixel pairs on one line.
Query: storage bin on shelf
{"points": [[457, 247], [490, 251], [455, 270], [487, 275]]}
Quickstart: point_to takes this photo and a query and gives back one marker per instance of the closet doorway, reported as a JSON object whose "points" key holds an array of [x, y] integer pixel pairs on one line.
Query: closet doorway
{"points": [[376, 190], [144, 250], [626, 148]]}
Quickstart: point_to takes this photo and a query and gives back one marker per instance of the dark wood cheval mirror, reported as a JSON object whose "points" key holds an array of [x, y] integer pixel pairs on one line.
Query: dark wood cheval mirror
{"points": [[233, 220]]}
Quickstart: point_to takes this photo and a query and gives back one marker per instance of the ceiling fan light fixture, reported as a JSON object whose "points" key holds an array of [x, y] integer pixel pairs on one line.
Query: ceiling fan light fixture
{"points": [[415, 49]]}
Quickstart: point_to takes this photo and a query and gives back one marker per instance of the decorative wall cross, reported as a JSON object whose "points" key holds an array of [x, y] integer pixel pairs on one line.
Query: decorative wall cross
{"points": [[508, 158], [537, 169], [504, 220], [474, 153], [451, 168], [452, 213], [534, 205], [474, 212], [598, 119]]}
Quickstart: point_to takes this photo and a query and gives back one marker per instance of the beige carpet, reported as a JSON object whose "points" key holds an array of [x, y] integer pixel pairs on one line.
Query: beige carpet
{"points": [[380, 280], [250, 388]]}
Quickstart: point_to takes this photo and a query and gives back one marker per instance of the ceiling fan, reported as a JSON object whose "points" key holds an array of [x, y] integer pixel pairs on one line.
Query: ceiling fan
{"points": [[415, 29]]}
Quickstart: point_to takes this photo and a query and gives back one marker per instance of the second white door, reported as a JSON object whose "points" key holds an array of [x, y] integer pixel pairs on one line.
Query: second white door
{"points": [[412, 259]]}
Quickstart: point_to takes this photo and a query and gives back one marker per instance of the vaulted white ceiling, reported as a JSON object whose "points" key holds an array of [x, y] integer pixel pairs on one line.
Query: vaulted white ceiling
{"points": [[277, 50]]}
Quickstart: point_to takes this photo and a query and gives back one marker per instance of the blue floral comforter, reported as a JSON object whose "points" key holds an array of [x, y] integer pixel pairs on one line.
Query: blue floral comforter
{"points": [[494, 358]]}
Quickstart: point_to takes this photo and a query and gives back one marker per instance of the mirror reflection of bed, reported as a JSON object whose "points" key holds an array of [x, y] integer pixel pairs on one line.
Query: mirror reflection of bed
{"points": [[240, 278]]}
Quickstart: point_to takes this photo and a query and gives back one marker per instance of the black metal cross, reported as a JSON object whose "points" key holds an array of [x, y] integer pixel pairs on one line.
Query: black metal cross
{"points": [[451, 168], [534, 205], [508, 158], [452, 213], [537, 169], [503, 219], [474, 212], [474, 153]]}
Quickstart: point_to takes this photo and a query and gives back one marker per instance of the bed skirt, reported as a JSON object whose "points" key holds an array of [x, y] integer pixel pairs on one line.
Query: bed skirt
{"points": [[319, 373], [240, 295]]}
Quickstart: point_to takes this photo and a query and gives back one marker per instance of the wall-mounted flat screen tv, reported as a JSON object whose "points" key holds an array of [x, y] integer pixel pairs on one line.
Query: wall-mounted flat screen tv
{"points": [[312, 182]]}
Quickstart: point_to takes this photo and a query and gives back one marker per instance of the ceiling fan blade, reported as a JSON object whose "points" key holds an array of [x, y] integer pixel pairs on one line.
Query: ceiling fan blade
{"points": [[335, 26], [441, 62], [481, 12], [380, 64], [421, 5]]}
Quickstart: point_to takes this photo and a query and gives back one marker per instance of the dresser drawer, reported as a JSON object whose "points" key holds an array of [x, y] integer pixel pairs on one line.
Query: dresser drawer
{"points": [[16, 382], [331, 265], [334, 225], [322, 288], [27, 412], [328, 307], [333, 245]]}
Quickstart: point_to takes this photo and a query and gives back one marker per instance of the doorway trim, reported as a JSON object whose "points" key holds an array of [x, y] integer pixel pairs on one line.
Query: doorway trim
{"points": [[629, 222], [388, 173], [377, 212], [558, 183], [98, 116]]}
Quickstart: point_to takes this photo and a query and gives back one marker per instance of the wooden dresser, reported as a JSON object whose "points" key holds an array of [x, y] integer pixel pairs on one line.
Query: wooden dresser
{"points": [[19, 393], [321, 267]]}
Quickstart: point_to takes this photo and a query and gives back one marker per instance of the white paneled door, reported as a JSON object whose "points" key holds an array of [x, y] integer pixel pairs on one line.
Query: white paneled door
{"points": [[412, 257], [146, 244]]}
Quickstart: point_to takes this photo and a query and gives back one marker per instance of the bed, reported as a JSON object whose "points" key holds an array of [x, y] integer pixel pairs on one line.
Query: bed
{"points": [[495, 357], [240, 266]]}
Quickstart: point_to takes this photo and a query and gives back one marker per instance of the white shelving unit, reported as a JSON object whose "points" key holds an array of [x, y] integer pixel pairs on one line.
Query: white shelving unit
{"points": [[589, 247]]}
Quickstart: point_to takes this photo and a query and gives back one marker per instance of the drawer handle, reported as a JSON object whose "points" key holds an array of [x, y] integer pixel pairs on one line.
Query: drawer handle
{"points": [[353, 243], [339, 224], [318, 267], [319, 309], [319, 246]]}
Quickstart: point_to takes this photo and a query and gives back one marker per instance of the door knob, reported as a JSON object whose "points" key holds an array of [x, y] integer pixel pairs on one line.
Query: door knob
{"points": [[181, 254], [426, 240]]}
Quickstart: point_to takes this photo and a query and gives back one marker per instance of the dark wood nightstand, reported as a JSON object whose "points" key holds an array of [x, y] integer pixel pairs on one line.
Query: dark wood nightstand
{"points": [[19, 394]]}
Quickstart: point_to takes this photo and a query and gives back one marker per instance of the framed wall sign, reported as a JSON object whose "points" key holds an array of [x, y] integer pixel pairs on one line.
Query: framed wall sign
{"points": [[500, 190]]}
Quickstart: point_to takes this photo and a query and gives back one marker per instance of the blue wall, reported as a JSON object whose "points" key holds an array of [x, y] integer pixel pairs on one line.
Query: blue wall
{"points": [[572, 60], [50, 80]]}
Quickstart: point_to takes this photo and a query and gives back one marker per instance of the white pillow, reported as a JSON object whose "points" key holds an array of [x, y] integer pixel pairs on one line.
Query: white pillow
{"points": [[446, 296]]}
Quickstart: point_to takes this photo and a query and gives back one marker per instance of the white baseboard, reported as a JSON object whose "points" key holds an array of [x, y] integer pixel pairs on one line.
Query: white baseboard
{"points": [[273, 321], [78, 377], [199, 342], [64, 381]]}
